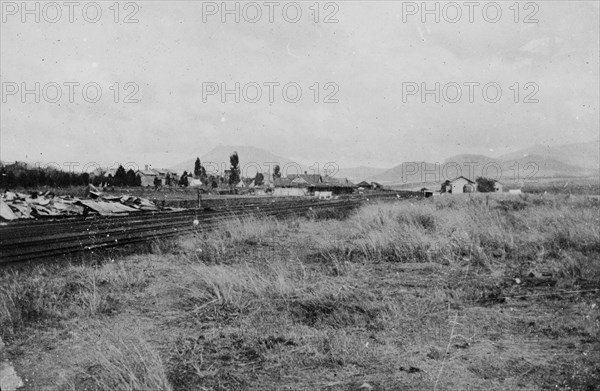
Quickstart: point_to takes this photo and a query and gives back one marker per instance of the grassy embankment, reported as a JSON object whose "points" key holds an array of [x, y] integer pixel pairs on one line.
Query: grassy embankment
{"points": [[458, 293]]}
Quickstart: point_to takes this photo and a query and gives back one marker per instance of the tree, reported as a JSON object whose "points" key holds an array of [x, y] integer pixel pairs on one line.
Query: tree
{"points": [[276, 172], [85, 178], [446, 187], [157, 181], [138, 180], [199, 171], [11, 180], [120, 177], [234, 178], [485, 185], [183, 181], [259, 179], [130, 178]]}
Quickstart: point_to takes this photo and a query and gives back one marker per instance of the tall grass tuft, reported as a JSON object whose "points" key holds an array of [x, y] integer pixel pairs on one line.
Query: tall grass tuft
{"points": [[123, 363]]}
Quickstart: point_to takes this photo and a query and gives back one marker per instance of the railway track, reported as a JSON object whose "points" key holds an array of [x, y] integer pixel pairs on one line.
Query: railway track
{"points": [[36, 240]]}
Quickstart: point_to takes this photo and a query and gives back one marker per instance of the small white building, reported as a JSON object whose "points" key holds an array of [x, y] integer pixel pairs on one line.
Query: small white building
{"points": [[324, 195], [290, 191], [460, 185]]}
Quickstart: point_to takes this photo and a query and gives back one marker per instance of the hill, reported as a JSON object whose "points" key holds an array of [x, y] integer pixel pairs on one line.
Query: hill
{"points": [[407, 172], [584, 155], [359, 174], [537, 162]]}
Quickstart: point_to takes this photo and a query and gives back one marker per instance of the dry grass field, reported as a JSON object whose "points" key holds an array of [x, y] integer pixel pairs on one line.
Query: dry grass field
{"points": [[456, 293]]}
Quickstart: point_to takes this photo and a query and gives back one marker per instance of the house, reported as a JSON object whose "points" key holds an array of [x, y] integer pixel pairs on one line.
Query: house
{"points": [[147, 177], [282, 182], [167, 177], [459, 185], [336, 185], [283, 187]]}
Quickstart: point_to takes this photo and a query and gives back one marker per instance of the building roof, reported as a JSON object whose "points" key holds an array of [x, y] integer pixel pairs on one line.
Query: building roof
{"points": [[466, 179], [282, 182], [310, 179], [337, 182], [147, 172]]}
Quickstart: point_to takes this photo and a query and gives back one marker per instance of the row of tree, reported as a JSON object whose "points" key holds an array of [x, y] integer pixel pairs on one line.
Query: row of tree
{"points": [[41, 177], [20, 176], [233, 177], [51, 177]]}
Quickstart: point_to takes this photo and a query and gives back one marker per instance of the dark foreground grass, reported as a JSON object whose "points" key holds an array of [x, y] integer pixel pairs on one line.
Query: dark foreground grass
{"points": [[458, 293]]}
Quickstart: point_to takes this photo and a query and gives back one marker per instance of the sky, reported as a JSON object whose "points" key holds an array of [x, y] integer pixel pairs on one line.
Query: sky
{"points": [[371, 61]]}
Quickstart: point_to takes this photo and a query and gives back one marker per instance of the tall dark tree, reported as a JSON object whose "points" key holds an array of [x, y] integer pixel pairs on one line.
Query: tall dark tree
{"points": [[446, 187], [276, 172], [11, 179], [138, 180], [199, 170], [85, 178], [130, 178], [120, 178], [234, 177], [183, 181], [157, 181]]}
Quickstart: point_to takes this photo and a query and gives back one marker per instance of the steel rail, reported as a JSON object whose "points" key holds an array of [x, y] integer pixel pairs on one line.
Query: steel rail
{"points": [[33, 240]]}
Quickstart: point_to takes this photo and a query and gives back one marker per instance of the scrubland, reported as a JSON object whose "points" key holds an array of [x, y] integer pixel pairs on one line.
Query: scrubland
{"points": [[455, 293]]}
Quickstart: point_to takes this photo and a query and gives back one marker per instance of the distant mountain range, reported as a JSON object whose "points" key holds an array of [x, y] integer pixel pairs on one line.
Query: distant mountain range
{"points": [[582, 159]]}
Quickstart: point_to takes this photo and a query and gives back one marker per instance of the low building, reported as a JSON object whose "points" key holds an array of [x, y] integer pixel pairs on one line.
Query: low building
{"points": [[290, 192], [166, 177], [323, 195], [147, 177], [459, 185]]}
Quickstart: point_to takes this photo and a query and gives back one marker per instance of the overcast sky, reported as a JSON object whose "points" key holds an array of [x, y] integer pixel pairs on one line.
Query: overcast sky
{"points": [[369, 53]]}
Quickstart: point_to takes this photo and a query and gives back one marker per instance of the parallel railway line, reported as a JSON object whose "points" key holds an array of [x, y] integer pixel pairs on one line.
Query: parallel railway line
{"points": [[36, 240]]}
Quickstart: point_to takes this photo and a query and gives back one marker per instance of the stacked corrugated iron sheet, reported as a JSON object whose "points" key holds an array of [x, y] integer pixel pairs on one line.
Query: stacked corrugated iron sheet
{"points": [[15, 206]]}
